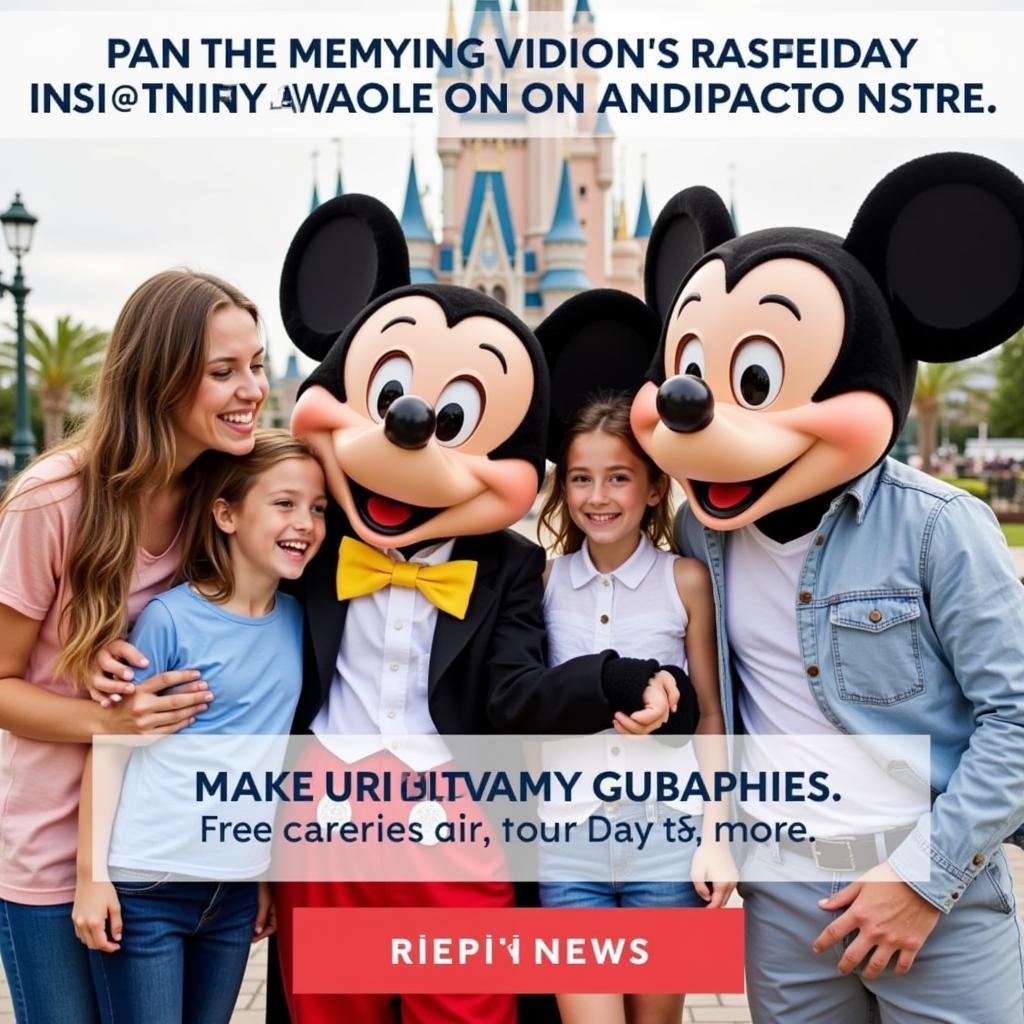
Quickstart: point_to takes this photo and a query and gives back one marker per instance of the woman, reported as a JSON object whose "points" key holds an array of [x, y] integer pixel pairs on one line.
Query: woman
{"points": [[88, 534]]}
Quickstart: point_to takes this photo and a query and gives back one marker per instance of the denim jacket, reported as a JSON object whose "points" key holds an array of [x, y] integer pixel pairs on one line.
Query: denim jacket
{"points": [[911, 621]]}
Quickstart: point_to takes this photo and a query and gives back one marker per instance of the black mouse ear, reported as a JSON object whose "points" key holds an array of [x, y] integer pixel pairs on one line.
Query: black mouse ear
{"points": [[692, 223], [601, 340], [943, 236], [345, 254]]}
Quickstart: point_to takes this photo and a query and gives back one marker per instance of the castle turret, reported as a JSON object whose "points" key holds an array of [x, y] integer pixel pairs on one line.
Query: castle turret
{"points": [[565, 250], [627, 257], [417, 232]]}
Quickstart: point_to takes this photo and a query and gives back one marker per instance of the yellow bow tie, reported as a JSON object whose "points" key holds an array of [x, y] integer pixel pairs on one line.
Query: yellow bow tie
{"points": [[364, 570]]}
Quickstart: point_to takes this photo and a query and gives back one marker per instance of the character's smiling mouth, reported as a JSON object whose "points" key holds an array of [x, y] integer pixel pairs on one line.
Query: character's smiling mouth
{"points": [[724, 501], [386, 516]]}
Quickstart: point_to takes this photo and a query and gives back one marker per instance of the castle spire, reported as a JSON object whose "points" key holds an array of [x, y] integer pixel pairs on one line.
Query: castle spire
{"points": [[643, 217], [414, 223], [339, 187], [314, 201], [565, 227]]}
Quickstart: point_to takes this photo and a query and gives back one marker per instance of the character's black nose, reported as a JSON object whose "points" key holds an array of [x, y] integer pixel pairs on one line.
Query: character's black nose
{"points": [[685, 404], [409, 422]]}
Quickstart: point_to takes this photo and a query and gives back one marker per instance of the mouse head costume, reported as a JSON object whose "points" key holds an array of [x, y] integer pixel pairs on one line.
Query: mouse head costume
{"points": [[788, 356], [430, 406]]}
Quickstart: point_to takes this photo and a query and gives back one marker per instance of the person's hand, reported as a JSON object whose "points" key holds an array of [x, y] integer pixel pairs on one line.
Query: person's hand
{"points": [[712, 862], [266, 914], [143, 713], [890, 920], [96, 903], [660, 696], [111, 675]]}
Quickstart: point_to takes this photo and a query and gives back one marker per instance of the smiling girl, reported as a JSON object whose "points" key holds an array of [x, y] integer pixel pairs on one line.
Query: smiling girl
{"points": [[614, 585], [88, 534], [180, 947]]}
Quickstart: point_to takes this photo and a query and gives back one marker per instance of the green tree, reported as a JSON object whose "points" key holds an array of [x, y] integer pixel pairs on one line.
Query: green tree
{"points": [[7, 399], [1006, 418], [941, 388], [60, 365]]}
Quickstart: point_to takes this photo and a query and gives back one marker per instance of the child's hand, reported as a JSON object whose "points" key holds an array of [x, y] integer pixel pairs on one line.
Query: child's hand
{"points": [[266, 914], [660, 697], [96, 903], [111, 676], [712, 862]]}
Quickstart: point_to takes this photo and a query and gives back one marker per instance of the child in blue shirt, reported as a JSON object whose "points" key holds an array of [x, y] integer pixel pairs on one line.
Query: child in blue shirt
{"points": [[172, 951]]}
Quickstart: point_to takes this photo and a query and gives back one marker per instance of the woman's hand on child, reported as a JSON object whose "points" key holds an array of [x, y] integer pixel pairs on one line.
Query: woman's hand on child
{"points": [[713, 863], [660, 698], [143, 713], [266, 914], [96, 903]]}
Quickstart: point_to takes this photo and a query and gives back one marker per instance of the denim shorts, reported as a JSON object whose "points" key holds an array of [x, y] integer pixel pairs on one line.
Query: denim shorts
{"points": [[590, 870]]}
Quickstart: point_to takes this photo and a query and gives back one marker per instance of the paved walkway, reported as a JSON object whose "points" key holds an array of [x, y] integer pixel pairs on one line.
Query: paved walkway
{"points": [[721, 1008]]}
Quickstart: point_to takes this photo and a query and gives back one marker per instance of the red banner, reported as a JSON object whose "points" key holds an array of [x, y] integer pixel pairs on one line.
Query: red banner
{"points": [[517, 950]]}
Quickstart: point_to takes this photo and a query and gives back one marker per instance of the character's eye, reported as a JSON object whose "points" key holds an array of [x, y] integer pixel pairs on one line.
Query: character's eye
{"points": [[391, 380], [458, 412], [691, 357], [757, 373]]}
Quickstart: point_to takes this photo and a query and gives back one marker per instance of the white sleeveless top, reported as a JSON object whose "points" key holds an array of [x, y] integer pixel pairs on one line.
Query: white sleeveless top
{"points": [[634, 610]]}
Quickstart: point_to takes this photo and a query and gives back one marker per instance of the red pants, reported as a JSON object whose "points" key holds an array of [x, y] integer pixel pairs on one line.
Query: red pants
{"points": [[376, 1009]]}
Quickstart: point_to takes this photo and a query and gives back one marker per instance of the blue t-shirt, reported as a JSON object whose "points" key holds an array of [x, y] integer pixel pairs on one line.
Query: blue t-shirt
{"points": [[254, 669]]}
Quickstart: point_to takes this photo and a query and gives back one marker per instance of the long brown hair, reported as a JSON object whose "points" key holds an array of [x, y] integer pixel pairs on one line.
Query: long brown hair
{"points": [[207, 558], [607, 413], [153, 366]]}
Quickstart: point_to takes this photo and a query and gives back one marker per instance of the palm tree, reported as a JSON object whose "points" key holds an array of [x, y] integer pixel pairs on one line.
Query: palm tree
{"points": [[60, 365], [940, 387]]}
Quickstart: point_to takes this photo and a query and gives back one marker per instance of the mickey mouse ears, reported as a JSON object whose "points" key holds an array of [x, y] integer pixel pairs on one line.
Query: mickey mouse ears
{"points": [[346, 253], [601, 340], [943, 237]]}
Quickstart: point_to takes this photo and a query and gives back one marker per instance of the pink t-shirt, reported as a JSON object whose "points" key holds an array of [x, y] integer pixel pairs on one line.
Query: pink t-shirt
{"points": [[39, 782]]}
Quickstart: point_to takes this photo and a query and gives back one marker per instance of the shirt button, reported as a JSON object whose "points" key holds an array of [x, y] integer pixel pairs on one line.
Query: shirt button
{"points": [[875, 615], [616, 751], [399, 625], [805, 597], [978, 860], [819, 540], [954, 895], [604, 620], [813, 671], [394, 666], [392, 713], [605, 582]]}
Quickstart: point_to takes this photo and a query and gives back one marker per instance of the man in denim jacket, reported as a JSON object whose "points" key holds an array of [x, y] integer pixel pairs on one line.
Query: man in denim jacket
{"points": [[858, 595]]}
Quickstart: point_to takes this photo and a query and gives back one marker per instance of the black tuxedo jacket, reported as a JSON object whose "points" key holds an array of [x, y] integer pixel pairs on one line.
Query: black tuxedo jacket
{"points": [[487, 671]]}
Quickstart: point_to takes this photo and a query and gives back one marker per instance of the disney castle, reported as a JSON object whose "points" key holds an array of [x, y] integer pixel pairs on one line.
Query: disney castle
{"points": [[529, 219]]}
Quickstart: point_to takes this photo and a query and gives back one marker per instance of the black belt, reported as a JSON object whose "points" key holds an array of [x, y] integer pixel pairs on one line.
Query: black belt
{"points": [[846, 853]]}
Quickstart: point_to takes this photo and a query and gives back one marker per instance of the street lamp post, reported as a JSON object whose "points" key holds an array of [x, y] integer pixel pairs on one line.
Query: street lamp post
{"points": [[18, 225]]}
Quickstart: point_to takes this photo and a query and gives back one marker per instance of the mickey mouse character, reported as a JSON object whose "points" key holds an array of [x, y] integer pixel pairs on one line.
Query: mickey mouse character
{"points": [[858, 595], [430, 412]]}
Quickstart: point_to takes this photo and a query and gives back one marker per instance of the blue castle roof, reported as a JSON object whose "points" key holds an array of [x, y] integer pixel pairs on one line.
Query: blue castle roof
{"points": [[414, 224], [582, 8], [604, 124], [339, 189], [643, 217], [314, 201], [565, 227], [291, 371], [564, 279], [480, 11], [495, 181]]}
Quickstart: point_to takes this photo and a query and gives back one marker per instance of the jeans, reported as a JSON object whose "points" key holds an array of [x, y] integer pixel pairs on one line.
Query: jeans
{"points": [[584, 873], [47, 968], [183, 952]]}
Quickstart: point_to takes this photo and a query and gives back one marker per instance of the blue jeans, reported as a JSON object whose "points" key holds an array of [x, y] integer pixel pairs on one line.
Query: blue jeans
{"points": [[604, 873], [183, 953], [47, 968]]}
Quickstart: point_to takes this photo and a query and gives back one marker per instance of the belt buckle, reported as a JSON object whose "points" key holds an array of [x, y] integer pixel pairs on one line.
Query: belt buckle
{"points": [[826, 851]]}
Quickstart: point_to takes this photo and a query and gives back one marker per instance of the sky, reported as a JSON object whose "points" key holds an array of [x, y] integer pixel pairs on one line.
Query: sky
{"points": [[112, 212]]}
